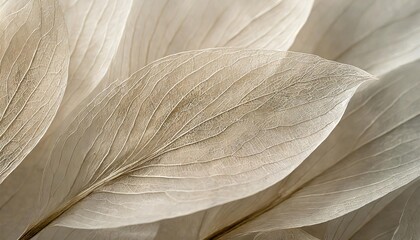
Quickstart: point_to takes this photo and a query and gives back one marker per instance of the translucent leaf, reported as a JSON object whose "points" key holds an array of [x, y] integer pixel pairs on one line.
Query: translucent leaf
{"points": [[357, 164], [377, 36], [33, 73], [95, 29], [235, 121]]}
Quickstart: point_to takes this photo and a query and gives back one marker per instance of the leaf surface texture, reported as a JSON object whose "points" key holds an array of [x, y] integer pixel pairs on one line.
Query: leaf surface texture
{"points": [[33, 74], [139, 144]]}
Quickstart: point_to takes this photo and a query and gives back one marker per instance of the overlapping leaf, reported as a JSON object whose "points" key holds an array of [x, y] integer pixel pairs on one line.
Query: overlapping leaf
{"points": [[143, 232], [95, 29], [377, 158], [33, 74], [377, 36], [158, 28], [285, 234], [85, 21], [398, 220], [203, 128], [387, 218], [234, 134]]}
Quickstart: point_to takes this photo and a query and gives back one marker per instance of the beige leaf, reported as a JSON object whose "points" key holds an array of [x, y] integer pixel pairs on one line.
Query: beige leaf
{"points": [[95, 30], [141, 232], [377, 36], [254, 16], [285, 234], [345, 227], [409, 222], [229, 119], [18, 194], [216, 220], [391, 215], [383, 226], [339, 176], [33, 73], [160, 27], [398, 220]]}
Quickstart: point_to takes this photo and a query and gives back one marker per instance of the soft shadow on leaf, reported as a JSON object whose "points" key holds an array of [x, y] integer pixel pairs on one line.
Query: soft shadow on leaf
{"points": [[394, 216], [33, 73], [284, 234], [95, 29], [400, 219], [346, 226], [137, 146], [140, 232], [377, 36]]}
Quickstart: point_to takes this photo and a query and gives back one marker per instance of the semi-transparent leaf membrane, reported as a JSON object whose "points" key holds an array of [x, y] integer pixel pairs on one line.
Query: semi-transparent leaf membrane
{"points": [[179, 228], [216, 219], [95, 29], [289, 18], [160, 27], [18, 195], [398, 220], [358, 162], [409, 222], [374, 110], [139, 232], [192, 131], [345, 227], [284, 234], [377, 36], [33, 74]]}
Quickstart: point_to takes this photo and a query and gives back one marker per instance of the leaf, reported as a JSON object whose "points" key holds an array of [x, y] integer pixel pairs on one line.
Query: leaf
{"points": [[159, 28], [95, 30], [381, 219], [339, 176], [229, 119], [33, 75], [409, 223], [285, 234], [284, 12], [143, 232], [377, 36], [346, 226], [19, 193], [398, 220]]}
